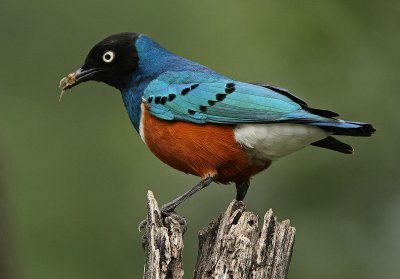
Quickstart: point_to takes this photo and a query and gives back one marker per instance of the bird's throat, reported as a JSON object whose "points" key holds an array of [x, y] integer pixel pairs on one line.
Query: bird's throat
{"points": [[132, 100]]}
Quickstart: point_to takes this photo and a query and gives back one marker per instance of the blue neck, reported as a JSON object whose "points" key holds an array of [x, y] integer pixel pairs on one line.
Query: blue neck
{"points": [[132, 98], [153, 61]]}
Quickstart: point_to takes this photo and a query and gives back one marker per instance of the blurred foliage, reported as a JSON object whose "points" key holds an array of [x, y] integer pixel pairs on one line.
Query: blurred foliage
{"points": [[76, 173]]}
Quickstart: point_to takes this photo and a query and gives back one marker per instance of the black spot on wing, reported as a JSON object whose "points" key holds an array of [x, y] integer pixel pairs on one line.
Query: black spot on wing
{"points": [[211, 102], [163, 100], [194, 86], [171, 97], [203, 108], [191, 112], [229, 88], [185, 91], [220, 97], [188, 89]]}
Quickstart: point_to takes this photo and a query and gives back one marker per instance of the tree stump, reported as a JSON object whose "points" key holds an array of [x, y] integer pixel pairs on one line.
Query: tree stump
{"points": [[231, 246], [163, 244]]}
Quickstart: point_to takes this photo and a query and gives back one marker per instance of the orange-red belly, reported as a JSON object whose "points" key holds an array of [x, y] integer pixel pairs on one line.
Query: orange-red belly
{"points": [[201, 150]]}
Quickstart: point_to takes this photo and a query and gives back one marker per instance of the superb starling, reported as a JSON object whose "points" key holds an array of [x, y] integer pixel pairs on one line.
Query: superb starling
{"points": [[203, 123]]}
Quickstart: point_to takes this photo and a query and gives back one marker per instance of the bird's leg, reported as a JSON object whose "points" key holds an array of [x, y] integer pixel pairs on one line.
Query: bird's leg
{"points": [[168, 208], [241, 189]]}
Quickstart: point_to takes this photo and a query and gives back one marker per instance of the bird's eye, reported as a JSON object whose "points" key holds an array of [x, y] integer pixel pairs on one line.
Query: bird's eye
{"points": [[108, 56]]}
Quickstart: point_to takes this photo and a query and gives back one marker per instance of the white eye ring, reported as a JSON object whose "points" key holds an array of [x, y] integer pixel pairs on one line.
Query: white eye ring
{"points": [[108, 56]]}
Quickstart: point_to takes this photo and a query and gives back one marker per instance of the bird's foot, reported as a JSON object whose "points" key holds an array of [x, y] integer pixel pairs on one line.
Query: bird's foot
{"points": [[173, 216], [168, 215]]}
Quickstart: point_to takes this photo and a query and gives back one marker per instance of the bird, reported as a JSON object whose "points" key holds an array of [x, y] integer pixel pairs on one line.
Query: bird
{"points": [[203, 123]]}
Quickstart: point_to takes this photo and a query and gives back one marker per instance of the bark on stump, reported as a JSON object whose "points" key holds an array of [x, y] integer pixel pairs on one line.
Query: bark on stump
{"points": [[231, 246]]}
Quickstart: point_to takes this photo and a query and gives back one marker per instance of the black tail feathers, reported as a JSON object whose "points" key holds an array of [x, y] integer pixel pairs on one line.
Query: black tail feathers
{"points": [[334, 144], [345, 128]]}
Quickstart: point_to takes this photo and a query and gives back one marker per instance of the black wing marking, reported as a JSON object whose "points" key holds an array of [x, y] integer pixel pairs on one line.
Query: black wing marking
{"points": [[283, 92], [301, 102]]}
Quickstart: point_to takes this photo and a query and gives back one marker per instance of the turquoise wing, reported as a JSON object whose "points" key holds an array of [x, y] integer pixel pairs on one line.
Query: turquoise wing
{"points": [[211, 98]]}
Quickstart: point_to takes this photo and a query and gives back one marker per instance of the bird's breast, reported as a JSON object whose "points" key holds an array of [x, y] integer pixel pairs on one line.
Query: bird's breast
{"points": [[201, 150]]}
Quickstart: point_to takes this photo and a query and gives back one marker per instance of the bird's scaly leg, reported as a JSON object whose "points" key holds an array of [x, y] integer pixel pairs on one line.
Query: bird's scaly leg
{"points": [[241, 190], [169, 208]]}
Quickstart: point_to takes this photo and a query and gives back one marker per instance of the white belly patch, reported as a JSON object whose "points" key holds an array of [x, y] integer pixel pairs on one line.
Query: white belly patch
{"points": [[272, 141]]}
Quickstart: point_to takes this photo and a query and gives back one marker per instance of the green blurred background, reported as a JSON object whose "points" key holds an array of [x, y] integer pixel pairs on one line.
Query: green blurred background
{"points": [[75, 174]]}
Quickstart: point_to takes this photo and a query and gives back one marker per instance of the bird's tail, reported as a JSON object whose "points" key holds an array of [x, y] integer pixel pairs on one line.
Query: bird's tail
{"points": [[334, 144], [343, 128], [327, 121], [346, 128]]}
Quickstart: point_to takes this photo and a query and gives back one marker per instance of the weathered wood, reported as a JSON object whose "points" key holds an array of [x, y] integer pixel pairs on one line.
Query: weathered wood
{"points": [[231, 246], [163, 244]]}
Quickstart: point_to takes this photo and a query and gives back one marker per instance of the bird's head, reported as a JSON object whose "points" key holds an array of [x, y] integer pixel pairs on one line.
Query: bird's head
{"points": [[110, 61]]}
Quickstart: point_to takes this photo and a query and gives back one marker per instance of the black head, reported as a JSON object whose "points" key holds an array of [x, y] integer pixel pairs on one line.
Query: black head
{"points": [[110, 61]]}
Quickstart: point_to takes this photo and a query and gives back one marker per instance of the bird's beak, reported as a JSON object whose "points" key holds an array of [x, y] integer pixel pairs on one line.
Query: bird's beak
{"points": [[74, 78], [77, 77]]}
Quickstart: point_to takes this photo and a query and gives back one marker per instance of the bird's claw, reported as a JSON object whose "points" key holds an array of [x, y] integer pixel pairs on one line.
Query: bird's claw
{"points": [[166, 217], [142, 225], [178, 218]]}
